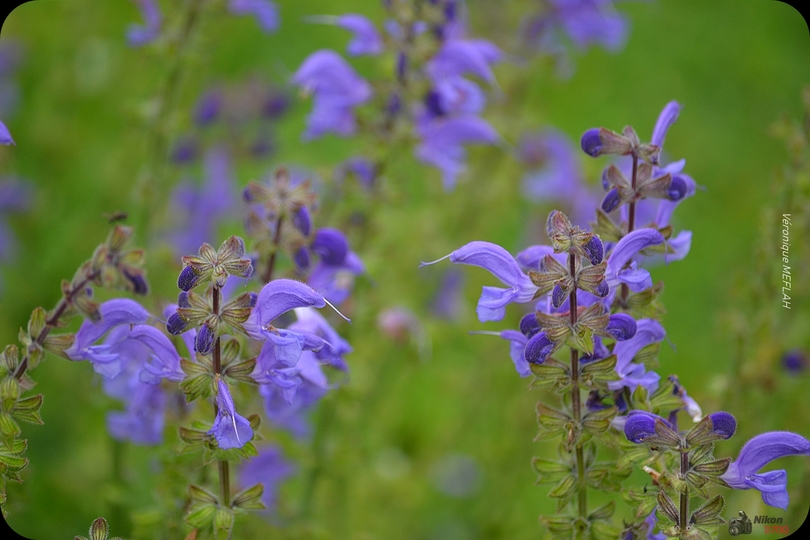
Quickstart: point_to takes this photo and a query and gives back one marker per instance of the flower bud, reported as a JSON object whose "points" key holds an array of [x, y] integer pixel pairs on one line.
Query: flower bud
{"points": [[611, 200], [205, 339], [639, 426], [302, 220], [591, 143], [538, 348], [677, 189], [138, 282], [595, 250], [301, 258], [621, 326], [330, 245], [603, 289], [557, 296], [529, 325], [175, 325], [723, 424], [188, 278]]}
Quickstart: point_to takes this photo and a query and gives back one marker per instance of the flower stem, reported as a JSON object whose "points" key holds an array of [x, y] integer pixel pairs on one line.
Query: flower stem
{"points": [[222, 465], [267, 276], [576, 402], [631, 223], [52, 321], [684, 502]]}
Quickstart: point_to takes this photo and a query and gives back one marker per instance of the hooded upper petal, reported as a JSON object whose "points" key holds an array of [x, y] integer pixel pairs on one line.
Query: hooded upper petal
{"points": [[277, 297], [113, 313], [665, 120]]}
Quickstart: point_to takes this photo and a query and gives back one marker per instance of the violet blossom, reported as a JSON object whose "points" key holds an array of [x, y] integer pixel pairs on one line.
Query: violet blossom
{"points": [[230, 429], [366, 39], [139, 35], [265, 11], [268, 468]]}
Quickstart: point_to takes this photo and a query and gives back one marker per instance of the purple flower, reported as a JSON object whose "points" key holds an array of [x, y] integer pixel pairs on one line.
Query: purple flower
{"points": [[5, 135], [265, 11], [448, 302], [555, 174], [15, 196], [277, 362], [337, 89], [230, 429], [648, 331], [454, 96], [758, 452], [498, 261], [723, 424], [139, 35], [165, 360], [621, 326], [268, 468], [464, 56], [365, 37], [442, 140], [331, 245], [208, 107], [586, 22], [640, 425], [795, 361], [200, 208], [637, 279], [538, 348], [517, 347], [277, 297], [363, 169], [335, 281], [591, 143], [311, 322], [143, 419], [291, 415]]}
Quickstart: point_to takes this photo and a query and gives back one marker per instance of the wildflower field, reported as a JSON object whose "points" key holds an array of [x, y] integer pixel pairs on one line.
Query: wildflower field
{"points": [[405, 269]]}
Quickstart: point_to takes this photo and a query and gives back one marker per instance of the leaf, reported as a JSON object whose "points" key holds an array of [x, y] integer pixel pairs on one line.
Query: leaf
{"points": [[549, 471], [99, 529]]}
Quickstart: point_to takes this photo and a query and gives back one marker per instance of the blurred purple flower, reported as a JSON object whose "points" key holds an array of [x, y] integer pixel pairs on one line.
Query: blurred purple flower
{"points": [[442, 140], [448, 302], [15, 196], [337, 89], [363, 169], [335, 281], [586, 22], [208, 107], [312, 322], [648, 331], [139, 35], [743, 473], [464, 56], [795, 361], [143, 418], [291, 415], [268, 468], [200, 208], [231, 429], [365, 37], [555, 174], [5, 135], [265, 11]]}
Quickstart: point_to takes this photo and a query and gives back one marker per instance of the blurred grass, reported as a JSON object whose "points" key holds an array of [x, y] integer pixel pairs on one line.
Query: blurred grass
{"points": [[82, 138]]}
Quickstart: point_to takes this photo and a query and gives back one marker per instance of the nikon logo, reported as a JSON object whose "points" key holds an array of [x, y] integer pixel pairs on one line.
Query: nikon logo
{"points": [[767, 520]]}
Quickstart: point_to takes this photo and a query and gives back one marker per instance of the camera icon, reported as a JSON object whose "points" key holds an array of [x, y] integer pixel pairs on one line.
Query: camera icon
{"points": [[740, 525]]}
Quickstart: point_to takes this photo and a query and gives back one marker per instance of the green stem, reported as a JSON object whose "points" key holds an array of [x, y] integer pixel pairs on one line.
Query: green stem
{"points": [[631, 224], [222, 465], [684, 502]]}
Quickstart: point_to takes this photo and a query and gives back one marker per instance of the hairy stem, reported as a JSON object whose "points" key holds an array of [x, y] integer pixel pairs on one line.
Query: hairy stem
{"points": [[684, 502], [631, 224], [267, 276], [576, 402], [222, 465], [53, 320]]}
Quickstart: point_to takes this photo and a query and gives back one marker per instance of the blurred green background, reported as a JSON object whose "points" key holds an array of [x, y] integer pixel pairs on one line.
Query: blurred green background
{"points": [[404, 420]]}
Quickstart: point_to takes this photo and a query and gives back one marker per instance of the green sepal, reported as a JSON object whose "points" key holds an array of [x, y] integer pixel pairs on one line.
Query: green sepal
{"points": [[601, 530], [667, 507], [695, 480], [709, 513], [241, 371], [631, 455], [27, 409], [99, 529], [596, 374], [8, 426], [598, 421], [87, 307], [194, 368], [558, 525], [9, 360], [37, 322], [604, 512], [118, 237], [664, 400], [223, 523], [234, 454], [582, 339], [565, 487], [201, 495], [549, 471], [201, 516], [57, 343], [696, 533], [646, 305], [605, 228], [9, 393], [551, 373], [255, 421], [249, 499], [702, 434], [199, 386]]}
